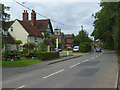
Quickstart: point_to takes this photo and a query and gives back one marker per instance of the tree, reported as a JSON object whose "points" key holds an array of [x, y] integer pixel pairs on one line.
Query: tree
{"points": [[29, 47], [42, 47], [5, 16], [106, 24], [81, 38]]}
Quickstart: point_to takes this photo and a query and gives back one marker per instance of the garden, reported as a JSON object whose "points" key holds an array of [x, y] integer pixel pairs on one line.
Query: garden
{"points": [[31, 54]]}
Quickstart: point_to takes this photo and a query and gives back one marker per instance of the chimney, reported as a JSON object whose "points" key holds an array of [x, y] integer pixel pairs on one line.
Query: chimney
{"points": [[25, 15], [33, 18]]}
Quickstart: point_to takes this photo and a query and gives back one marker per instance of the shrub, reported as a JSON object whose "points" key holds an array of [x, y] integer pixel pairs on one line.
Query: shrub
{"points": [[68, 50], [42, 47], [48, 55], [84, 47]]}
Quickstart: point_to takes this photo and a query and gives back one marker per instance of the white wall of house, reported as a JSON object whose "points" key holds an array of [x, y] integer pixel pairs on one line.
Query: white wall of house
{"points": [[18, 33]]}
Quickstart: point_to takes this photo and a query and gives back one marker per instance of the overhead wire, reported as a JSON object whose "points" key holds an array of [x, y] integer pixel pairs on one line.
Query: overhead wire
{"points": [[44, 16]]}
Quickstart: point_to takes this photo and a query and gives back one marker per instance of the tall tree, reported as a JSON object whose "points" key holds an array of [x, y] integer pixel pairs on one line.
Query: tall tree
{"points": [[81, 38], [4, 16], [106, 24]]}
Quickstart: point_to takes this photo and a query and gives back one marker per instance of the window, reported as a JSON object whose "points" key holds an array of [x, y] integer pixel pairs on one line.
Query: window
{"points": [[35, 39], [11, 29]]}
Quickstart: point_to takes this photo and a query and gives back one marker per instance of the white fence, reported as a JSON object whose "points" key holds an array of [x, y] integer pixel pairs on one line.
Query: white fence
{"points": [[66, 53]]}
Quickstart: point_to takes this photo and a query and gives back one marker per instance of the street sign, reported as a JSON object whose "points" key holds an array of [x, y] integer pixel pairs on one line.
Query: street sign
{"points": [[57, 32]]}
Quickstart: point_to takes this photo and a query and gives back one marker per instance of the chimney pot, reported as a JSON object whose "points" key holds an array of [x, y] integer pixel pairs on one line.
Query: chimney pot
{"points": [[33, 18], [25, 15]]}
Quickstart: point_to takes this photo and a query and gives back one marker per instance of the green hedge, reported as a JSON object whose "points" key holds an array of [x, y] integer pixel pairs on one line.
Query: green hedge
{"points": [[85, 47], [48, 55]]}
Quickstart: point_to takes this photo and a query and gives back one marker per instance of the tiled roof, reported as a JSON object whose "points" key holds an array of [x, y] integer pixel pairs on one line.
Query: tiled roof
{"points": [[32, 30], [68, 36], [42, 24], [8, 39]]}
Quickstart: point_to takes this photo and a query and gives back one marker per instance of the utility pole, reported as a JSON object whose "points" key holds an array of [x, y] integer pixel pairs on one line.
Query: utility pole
{"points": [[82, 27]]}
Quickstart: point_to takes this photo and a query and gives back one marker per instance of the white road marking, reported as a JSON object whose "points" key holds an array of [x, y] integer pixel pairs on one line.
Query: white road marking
{"points": [[85, 61], [53, 73], [116, 81], [21, 86], [74, 65]]}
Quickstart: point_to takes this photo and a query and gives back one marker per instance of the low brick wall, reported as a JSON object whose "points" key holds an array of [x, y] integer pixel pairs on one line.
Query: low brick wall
{"points": [[66, 53]]}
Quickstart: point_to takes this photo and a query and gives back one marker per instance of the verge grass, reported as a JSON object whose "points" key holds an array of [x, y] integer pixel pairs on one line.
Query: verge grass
{"points": [[20, 63]]}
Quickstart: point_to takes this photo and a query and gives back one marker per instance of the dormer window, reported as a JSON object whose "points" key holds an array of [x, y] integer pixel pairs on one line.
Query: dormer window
{"points": [[11, 29]]}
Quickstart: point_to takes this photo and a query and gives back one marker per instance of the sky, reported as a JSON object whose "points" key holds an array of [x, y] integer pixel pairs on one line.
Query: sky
{"points": [[73, 14]]}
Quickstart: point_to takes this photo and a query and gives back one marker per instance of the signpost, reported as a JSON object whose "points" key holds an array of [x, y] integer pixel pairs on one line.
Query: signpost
{"points": [[57, 34]]}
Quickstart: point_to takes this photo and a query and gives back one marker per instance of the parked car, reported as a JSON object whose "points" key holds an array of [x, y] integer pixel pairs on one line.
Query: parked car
{"points": [[98, 49], [69, 48], [76, 49], [60, 50]]}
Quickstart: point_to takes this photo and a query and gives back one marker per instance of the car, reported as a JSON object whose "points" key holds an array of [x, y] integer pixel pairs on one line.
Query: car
{"points": [[98, 49], [60, 50], [76, 49], [69, 48]]}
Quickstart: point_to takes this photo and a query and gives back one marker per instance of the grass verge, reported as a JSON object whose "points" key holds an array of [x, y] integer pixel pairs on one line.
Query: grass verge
{"points": [[20, 63]]}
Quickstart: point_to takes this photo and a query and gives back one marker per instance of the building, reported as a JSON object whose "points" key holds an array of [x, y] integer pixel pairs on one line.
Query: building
{"points": [[30, 31], [68, 41], [10, 43]]}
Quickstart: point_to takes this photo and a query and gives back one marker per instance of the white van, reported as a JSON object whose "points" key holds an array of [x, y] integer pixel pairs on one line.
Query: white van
{"points": [[76, 49]]}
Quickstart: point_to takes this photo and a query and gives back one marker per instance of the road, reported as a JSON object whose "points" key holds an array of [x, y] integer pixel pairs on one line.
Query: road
{"points": [[93, 70]]}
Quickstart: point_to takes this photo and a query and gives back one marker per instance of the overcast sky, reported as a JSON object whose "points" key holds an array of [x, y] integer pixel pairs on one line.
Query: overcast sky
{"points": [[69, 13]]}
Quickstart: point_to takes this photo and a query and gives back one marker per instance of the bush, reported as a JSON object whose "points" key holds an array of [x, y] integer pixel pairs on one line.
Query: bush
{"points": [[42, 47], [47, 55], [84, 47], [68, 50]]}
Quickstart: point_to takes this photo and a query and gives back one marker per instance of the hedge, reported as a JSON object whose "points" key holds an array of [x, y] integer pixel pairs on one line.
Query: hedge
{"points": [[85, 47], [48, 55]]}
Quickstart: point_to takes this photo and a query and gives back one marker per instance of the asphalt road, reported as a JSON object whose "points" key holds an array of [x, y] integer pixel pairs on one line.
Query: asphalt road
{"points": [[93, 70]]}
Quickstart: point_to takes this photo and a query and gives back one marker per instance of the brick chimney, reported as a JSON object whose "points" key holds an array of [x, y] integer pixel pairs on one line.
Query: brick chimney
{"points": [[25, 15], [33, 18]]}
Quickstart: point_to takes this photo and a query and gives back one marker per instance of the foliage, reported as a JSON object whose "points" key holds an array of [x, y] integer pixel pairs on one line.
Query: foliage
{"points": [[47, 55], [42, 47], [106, 25], [29, 47], [5, 16], [5, 53], [84, 47], [81, 38], [60, 45], [52, 47], [67, 50], [3, 43], [50, 37], [18, 42]]}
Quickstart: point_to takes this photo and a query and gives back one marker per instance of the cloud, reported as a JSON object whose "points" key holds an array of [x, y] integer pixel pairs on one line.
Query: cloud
{"points": [[69, 13]]}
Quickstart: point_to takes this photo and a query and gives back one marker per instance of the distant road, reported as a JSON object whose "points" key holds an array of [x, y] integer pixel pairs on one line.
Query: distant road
{"points": [[93, 70]]}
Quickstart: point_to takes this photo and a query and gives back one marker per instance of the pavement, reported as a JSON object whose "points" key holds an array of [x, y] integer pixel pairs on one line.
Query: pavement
{"points": [[92, 70]]}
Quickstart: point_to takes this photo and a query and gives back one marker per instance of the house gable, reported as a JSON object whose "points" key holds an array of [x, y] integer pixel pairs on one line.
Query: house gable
{"points": [[18, 32]]}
